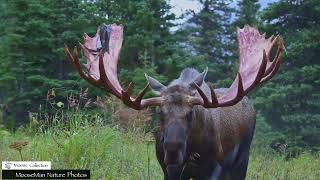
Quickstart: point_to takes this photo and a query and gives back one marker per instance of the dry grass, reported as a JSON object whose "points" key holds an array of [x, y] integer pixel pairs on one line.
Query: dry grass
{"points": [[126, 118]]}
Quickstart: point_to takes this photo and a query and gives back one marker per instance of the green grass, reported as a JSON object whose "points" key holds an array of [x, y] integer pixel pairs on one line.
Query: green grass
{"points": [[111, 154], [104, 150], [274, 167]]}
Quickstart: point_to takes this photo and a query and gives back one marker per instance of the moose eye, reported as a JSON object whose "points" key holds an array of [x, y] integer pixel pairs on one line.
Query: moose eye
{"points": [[160, 115], [159, 112]]}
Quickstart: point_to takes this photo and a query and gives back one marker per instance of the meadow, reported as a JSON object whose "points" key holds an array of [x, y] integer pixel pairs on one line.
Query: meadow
{"points": [[48, 113], [111, 152]]}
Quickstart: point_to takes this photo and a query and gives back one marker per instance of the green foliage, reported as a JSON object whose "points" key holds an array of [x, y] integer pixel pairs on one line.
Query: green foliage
{"points": [[32, 52], [206, 35], [110, 154], [247, 13], [147, 41], [83, 144], [272, 166], [33, 66], [34, 33], [290, 103], [137, 76]]}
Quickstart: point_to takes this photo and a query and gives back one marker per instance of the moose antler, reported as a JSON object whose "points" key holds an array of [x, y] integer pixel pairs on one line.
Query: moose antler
{"points": [[102, 53], [254, 68]]}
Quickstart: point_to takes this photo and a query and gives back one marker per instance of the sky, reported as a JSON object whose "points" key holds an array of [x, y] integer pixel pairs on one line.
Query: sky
{"points": [[179, 6]]}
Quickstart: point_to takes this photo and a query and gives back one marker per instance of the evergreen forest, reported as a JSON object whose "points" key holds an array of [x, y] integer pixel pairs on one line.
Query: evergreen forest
{"points": [[44, 102]]}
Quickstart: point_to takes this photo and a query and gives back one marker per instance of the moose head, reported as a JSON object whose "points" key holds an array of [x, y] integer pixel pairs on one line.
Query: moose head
{"points": [[177, 100]]}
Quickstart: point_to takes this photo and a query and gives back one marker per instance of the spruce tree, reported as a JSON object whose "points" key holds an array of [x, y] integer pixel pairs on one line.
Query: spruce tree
{"points": [[32, 54], [34, 32], [246, 13], [147, 37], [291, 102], [206, 35]]}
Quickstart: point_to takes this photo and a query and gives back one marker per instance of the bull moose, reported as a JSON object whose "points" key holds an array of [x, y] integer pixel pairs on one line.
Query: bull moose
{"points": [[203, 133]]}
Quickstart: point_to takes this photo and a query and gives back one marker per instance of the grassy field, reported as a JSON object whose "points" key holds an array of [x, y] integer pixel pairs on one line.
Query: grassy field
{"points": [[112, 154]]}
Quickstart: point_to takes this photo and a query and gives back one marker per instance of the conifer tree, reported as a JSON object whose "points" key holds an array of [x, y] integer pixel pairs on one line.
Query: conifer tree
{"points": [[34, 32], [246, 13], [291, 102], [32, 54], [207, 35]]}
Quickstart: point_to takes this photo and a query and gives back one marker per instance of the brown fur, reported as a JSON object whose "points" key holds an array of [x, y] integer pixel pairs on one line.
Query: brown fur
{"points": [[226, 125], [210, 135]]}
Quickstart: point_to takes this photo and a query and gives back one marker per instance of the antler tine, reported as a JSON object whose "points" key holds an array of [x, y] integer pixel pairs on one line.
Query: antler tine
{"points": [[76, 64], [107, 48], [126, 95], [265, 60], [240, 94], [214, 98], [274, 70], [134, 103], [202, 94], [142, 93], [261, 71], [253, 68], [275, 63], [129, 89], [270, 67], [67, 52]]}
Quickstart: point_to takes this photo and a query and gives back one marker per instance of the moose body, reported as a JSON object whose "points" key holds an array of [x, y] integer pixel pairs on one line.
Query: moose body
{"points": [[203, 133], [217, 140]]}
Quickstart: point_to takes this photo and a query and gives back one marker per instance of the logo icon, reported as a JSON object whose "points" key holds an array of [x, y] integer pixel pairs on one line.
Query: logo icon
{"points": [[7, 165]]}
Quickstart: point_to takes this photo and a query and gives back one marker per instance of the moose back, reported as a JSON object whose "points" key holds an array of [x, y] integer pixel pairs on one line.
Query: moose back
{"points": [[203, 133]]}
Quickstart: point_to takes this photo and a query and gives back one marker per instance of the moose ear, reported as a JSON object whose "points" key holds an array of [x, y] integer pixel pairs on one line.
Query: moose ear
{"points": [[155, 85], [200, 78]]}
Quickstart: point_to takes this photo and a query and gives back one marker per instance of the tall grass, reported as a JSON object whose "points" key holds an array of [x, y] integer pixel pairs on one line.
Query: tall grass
{"points": [[110, 152], [271, 166], [105, 150]]}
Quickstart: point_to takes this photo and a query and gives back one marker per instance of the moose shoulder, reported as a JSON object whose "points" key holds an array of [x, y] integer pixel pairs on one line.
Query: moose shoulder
{"points": [[203, 133]]}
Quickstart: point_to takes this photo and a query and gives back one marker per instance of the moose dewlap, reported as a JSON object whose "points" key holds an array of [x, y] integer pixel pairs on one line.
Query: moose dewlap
{"points": [[203, 133]]}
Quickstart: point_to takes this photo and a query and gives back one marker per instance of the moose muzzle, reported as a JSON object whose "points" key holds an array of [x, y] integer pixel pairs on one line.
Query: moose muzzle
{"points": [[174, 144]]}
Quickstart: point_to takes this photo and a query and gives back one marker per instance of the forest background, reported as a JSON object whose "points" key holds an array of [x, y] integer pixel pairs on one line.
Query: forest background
{"points": [[38, 86]]}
